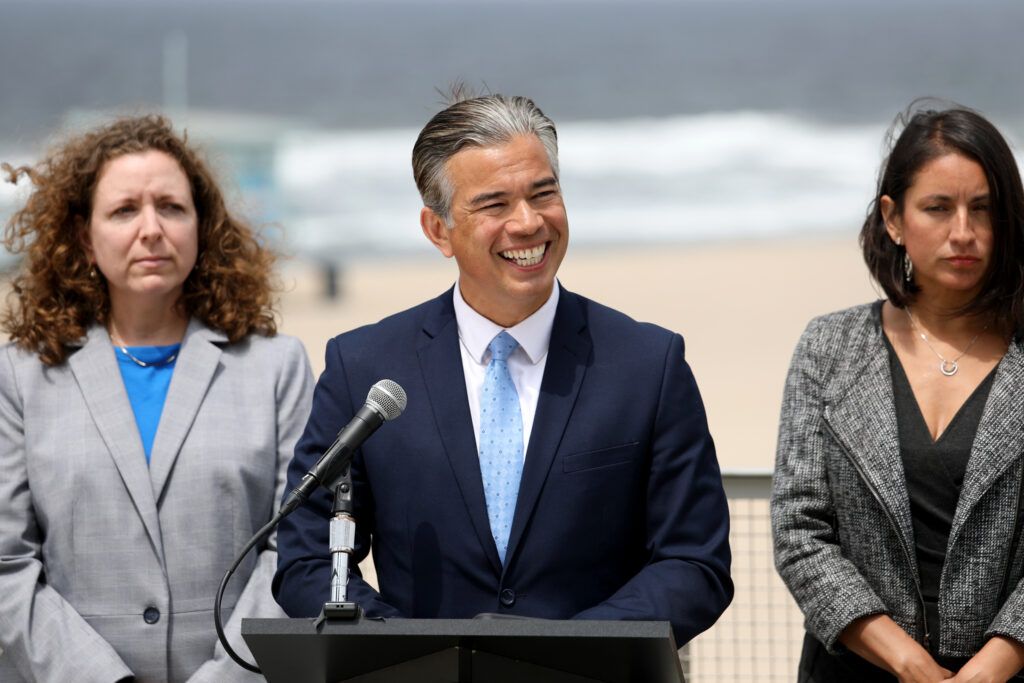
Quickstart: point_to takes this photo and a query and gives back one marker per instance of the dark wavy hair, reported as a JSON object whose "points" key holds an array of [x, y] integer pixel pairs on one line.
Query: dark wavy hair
{"points": [[926, 134], [57, 295]]}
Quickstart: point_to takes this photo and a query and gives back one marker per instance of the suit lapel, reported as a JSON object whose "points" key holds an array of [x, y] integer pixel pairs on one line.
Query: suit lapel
{"points": [[95, 370], [441, 363], [861, 411], [998, 443], [568, 353], [193, 371]]}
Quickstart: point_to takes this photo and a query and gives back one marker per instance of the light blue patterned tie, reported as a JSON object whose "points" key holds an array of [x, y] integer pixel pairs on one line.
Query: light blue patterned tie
{"points": [[501, 441]]}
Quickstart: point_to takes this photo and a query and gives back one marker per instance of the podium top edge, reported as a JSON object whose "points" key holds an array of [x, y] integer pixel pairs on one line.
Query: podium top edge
{"points": [[546, 628]]}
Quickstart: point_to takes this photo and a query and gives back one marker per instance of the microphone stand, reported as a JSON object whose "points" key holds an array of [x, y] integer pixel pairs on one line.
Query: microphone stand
{"points": [[385, 401], [342, 542]]}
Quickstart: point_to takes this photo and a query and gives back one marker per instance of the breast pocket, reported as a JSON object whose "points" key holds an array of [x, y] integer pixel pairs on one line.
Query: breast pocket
{"points": [[601, 458]]}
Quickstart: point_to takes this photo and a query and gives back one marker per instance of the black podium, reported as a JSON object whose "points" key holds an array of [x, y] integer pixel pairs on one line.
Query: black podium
{"points": [[463, 651]]}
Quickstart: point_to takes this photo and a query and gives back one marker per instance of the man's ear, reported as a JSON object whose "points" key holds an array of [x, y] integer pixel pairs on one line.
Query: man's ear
{"points": [[437, 231], [84, 238]]}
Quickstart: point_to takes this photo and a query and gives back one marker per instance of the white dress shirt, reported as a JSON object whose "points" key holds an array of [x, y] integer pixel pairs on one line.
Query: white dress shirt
{"points": [[525, 364]]}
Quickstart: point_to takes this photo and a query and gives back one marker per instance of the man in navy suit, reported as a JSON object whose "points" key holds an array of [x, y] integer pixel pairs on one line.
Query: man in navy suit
{"points": [[600, 499]]}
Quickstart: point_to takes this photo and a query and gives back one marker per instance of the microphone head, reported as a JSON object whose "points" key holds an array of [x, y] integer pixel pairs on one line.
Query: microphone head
{"points": [[388, 398]]}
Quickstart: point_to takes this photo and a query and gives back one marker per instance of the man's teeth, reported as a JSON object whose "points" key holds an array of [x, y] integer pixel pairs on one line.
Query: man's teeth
{"points": [[526, 257]]}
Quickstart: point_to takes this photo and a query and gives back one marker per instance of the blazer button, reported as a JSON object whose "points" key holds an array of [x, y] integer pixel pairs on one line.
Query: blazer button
{"points": [[507, 597], [151, 615]]}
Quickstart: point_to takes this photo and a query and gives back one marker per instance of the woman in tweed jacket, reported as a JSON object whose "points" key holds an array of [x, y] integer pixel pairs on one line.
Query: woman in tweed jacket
{"points": [[896, 507]]}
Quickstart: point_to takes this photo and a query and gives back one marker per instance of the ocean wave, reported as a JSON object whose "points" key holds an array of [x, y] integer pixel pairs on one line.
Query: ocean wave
{"points": [[711, 176], [718, 176]]}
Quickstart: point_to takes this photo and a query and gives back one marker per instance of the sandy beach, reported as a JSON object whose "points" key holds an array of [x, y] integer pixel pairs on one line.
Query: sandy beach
{"points": [[740, 306]]}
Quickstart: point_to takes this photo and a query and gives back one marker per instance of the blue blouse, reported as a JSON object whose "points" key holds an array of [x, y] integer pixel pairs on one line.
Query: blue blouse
{"points": [[147, 385]]}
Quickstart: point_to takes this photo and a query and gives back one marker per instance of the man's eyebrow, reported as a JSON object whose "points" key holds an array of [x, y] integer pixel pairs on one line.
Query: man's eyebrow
{"points": [[486, 197]]}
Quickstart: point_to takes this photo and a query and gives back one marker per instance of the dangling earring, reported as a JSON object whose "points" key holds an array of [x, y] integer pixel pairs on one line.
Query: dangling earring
{"points": [[92, 272], [908, 267]]}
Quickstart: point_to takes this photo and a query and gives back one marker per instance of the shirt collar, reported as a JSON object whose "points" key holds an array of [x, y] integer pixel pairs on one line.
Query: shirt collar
{"points": [[533, 334]]}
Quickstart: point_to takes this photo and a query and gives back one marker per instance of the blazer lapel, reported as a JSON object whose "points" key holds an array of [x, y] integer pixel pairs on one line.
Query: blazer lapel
{"points": [[568, 354], [193, 371], [999, 442], [861, 411], [99, 379], [441, 364]]}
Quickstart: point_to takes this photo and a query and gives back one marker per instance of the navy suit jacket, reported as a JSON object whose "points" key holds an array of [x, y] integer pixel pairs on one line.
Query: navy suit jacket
{"points": [[621, 512]]}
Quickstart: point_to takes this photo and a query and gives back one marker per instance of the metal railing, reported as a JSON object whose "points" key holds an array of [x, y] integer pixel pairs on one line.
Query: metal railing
{"points": [[760, 635]]}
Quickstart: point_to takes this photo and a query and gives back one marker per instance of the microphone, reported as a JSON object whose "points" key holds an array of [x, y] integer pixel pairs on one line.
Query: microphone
{"points": [[385, 402]]}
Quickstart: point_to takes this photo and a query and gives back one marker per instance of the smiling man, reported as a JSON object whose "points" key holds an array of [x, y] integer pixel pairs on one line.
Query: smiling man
{"points": [[554, 459]]}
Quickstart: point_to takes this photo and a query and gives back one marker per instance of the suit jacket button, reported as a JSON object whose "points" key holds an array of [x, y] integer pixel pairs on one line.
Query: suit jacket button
{"points": [[151, 615], [507, 597]]}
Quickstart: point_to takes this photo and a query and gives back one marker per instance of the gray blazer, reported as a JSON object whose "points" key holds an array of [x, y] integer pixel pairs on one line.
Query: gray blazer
{"points": [[840, 512], [109, 568]]}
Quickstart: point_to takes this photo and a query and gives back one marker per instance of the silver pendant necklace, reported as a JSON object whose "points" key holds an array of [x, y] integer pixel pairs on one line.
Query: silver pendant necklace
{"points": [[947, 367], [142, 363]]}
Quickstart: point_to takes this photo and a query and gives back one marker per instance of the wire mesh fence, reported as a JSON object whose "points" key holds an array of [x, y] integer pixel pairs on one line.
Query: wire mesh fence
{"points": [[759, 636]]}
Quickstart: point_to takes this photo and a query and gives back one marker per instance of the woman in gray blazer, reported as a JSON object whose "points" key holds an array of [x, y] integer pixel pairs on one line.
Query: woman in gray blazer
{"points": [[896, 507], [147, 415]]}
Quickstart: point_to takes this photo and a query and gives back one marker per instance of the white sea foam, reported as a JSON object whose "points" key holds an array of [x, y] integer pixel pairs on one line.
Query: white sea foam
{"points": [[717, 176], [725, 176], [713, 176]]}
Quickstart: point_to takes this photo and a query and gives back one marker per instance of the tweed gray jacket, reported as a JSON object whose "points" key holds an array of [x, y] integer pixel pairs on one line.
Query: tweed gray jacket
{"points": [[840, 511]]}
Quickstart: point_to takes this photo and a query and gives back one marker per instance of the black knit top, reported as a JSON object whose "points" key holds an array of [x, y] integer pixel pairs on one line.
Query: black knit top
{"points": [[935, 473]]}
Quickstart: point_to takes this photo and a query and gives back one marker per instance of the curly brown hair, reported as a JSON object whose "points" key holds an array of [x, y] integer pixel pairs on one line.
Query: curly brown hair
{"points": [[59, 295]]}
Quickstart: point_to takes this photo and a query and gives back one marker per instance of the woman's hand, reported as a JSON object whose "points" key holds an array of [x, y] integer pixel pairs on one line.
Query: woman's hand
{"points": [[996, 662], [881, 641]]}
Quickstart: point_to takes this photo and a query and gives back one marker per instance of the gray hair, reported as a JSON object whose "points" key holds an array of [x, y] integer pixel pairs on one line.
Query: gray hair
{"points": [[474, 122]]}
